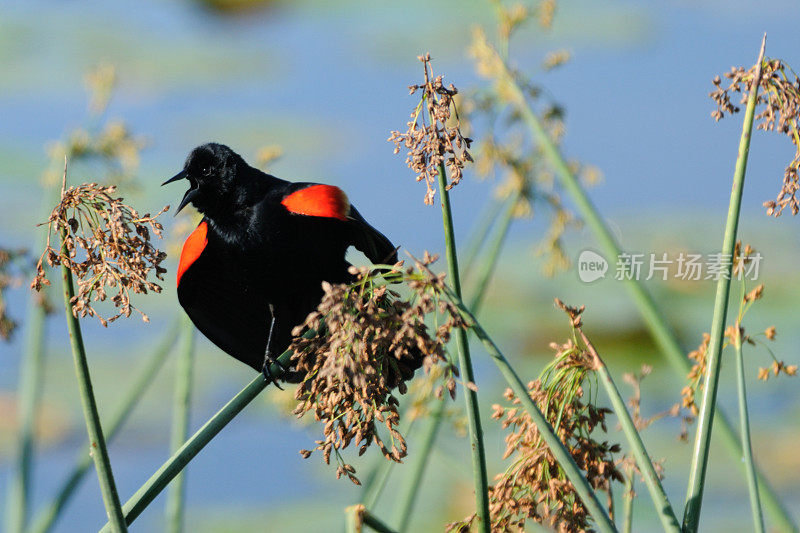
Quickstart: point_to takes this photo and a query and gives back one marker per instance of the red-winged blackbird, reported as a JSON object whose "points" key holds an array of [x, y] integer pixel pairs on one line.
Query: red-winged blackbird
{"points": [[253, 269]]}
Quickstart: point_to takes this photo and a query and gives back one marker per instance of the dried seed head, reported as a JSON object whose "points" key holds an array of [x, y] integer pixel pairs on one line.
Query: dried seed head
{"points": [[508, 153], [106, 245], [369, 342], [779, 101], [11, 272], [696, 374], [436, 140], [535, 487], [555, 59], [267, 155]]}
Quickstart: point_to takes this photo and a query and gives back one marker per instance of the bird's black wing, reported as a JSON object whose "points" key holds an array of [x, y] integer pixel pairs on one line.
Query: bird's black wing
{"points": [[331, 203]]}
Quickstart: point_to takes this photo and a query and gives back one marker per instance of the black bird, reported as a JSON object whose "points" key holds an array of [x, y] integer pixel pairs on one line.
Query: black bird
{"points": [[253, 269]]}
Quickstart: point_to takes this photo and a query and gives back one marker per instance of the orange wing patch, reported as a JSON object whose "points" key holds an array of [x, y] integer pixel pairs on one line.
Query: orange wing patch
{"points": [[319, 201], [192, 248]]}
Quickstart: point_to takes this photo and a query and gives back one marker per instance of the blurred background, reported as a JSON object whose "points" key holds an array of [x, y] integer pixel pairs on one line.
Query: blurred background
{"points": [[326, 82]]}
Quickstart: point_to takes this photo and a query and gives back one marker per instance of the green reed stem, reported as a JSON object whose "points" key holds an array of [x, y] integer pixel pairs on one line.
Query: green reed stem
{"points": [[46, 517], [176, 498], [29, 394], [465, 366], [493, 255], [744, 421], [559, 451], [654, 318], [697, 473], [375, 523], [627, 508], [478, 236], [414, 483], [97, 444], [173, 466], [357, 516], [660, 501], [409, 493], [376, 480]]}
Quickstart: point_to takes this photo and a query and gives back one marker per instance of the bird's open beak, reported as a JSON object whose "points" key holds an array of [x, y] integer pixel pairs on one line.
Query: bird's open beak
{"points": [[179, 176], [190, 194]]}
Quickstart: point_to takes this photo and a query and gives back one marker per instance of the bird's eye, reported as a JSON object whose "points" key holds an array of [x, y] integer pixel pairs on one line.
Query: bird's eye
{"points": [[206, 170]]}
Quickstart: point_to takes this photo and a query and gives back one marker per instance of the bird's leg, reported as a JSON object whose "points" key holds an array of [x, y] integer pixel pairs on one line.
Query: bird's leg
{"points": [[268, 359]]}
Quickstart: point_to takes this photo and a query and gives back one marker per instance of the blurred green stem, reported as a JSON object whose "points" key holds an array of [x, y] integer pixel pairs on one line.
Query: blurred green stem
{"points": [[414, 483], [492, 256], [172, 467], [478, 236], [357, 516], [406, 505], [559, 451], [662, 505], [377, 478], [180, 425], [97, 444], [627, 508], [465, 365], [29, 393], [409, 493], [45, 518], [702, 443], [653, 317], [744, 420]]}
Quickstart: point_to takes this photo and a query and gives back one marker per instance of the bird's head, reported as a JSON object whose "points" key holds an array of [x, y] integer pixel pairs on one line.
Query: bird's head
{"points": [[212, 171]]}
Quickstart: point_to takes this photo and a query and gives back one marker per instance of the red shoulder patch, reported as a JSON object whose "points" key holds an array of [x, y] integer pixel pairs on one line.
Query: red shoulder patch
{"points": [[319, 201], [192, 248]]}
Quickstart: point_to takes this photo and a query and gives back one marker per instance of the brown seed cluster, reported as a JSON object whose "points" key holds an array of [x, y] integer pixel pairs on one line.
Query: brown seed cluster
{"points": [[735, 336], [635, 401], [369, 342], [267, 155], [106, 245], [555, 59], [9, 277], [110, 149], [779, 100], [509, 155], [534, 487], [627, 463], [696, 374], [114, 148], [777, 367], [434, 140]]}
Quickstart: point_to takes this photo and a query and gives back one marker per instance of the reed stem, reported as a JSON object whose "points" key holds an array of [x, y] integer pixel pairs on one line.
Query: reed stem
{"points": [[465, 366], [97, 443], [702, 445], [173, 466], [559, 451], [409, 494], [744, 421], [660, 501], [46, 517], [653, 316], [180, 426]]}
